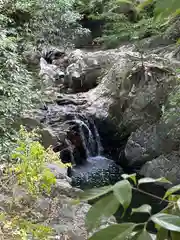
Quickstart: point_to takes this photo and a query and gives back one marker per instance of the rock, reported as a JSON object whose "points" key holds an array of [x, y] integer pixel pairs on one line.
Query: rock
{"points": [[59, 171], [96, 172], [48, 138], [56, 210], [82, 72], [82, 69], [31, 57], [149, 142], [173, 31], [49, 72], [31, 121], [131, 95], [166, 165], [63, 187], [51, 54]]}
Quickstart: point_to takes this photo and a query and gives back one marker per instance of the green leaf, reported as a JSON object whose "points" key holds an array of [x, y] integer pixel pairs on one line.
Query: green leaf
{"points": [[173, 198], [152, 180], [131, 176], [106, 206], [123, 192], [95, 193], [162, 234], [114, 232], [172, 190], [167, 221], [142, 209], [175, 235], [178, 203], [144, 235]]}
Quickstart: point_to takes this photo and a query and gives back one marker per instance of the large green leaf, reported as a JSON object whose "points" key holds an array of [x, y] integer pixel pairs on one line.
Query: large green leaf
{"points": [[94, 193], [106, 206], [152, 180], [142, 209], [144, 235], [162, 234], [167, 221], [172, 190], [114, 232], [123, 192]]}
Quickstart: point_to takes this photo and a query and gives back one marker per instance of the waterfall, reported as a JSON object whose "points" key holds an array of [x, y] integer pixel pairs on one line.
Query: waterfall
{"points": [[89, 135]]}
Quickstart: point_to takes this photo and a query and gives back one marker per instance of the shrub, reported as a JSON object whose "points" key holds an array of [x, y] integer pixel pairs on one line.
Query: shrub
{"points": [[15, 90], [30, 173], [31, 158]]}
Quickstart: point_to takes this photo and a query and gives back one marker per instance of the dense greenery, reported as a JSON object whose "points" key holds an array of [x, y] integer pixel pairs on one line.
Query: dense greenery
{"points": [[127, 20], [28, 25]]}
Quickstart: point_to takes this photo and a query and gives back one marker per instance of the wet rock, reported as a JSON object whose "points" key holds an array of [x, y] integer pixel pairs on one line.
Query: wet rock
{"points": [[96, 172], [130, 94]]}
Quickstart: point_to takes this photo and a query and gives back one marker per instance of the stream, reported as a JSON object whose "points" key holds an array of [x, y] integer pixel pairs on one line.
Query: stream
{"points": [[79, 117]]}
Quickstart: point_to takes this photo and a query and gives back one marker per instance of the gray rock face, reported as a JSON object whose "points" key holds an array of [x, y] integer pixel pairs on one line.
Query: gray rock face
{"points": [[157, 140], [132, 93], [147, 143], [166, 165], [49, 72], [82, 69]]}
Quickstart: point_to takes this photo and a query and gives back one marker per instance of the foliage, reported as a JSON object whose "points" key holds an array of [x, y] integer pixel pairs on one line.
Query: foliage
{"points": [[128, 20], [45, 22], [167, 222], [24, 25], [123, 30], [15, 90], [29, 175], [31, 162], [122, 20]]}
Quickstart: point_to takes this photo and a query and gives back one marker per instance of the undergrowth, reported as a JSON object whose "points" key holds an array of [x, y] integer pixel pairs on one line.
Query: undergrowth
{"points": [[22, 183]]}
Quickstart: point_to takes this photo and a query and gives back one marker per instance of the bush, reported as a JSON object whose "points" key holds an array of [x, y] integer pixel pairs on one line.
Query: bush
{"points": [[15, 90], [24, 182]]}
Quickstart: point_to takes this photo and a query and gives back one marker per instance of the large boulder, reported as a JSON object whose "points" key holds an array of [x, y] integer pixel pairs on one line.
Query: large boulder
{"points": [[161, 138], [166, 165], [50, 72], [82, 69]]}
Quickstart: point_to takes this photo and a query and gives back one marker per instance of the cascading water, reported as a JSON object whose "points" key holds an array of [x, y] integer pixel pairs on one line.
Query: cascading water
{"points": [[89, 135], [94, 169]]}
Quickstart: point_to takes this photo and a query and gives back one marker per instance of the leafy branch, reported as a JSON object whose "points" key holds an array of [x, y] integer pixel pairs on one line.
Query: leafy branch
{"points": [[111, 197]]}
